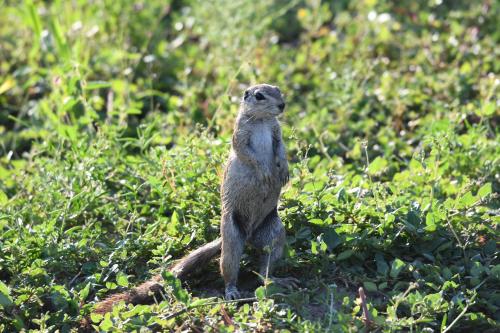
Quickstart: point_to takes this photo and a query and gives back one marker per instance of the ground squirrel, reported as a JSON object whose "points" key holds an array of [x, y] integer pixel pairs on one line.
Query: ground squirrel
{"points": [[256, 171]]}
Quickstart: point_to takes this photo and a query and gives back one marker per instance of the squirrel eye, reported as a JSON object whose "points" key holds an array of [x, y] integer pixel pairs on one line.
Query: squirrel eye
{"points": [[259, 96], [246, 95]]}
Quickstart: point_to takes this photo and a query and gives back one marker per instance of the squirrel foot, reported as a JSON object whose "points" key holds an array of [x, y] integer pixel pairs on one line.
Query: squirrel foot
{"points": [[232, 293]]}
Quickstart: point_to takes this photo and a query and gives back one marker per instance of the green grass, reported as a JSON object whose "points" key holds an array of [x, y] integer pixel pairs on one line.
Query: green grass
{"points": [[116, 119]]}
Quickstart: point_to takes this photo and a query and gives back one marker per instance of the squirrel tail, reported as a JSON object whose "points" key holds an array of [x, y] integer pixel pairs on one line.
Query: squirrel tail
{"points": [[142, 294], [196, 259], [145, 292]]}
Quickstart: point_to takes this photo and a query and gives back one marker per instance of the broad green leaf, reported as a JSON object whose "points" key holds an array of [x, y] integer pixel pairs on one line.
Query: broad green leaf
{"points": [[436, 300], [377, 165], [389, 219], [416, 165], [446, 272], [5, 299], [382, 286], [173, 225], [342, 195], [323, 246], [260, 293], [85, 292], [495, 272], [331, 238], [370, 286], [106, 324], [476, 269], [3, 198], [484, 191], [382, 266], [465, 68], [180, 293], [314, 247], [133, 111], [431, 221], [110, 285], [345, 255], [487, 109], [396, 267], [467, 199], [7, 84], [96, 317], [122, 279]]}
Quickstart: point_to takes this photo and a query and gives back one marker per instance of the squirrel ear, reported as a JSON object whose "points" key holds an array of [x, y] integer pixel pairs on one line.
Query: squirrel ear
{"points": [[247, 93]]}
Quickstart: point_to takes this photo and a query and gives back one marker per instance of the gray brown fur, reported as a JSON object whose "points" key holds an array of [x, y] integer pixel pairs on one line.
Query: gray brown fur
{"points": [[196, 259], [256, 171]]}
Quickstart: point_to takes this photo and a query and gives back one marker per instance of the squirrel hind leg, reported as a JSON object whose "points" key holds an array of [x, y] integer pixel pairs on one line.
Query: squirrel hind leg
{"points": [[269, 237], [233, 242]]}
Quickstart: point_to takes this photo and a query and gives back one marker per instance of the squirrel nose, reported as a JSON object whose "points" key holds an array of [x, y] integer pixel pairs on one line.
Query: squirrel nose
{"points": [[281, 106]]}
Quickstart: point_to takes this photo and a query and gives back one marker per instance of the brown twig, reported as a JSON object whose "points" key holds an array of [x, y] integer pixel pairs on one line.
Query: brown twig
{"points": [[225, 316], [187, 308], [367, 319]]}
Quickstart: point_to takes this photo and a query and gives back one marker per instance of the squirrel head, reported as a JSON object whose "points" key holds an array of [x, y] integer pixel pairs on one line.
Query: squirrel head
{"points": [[263, 101]]}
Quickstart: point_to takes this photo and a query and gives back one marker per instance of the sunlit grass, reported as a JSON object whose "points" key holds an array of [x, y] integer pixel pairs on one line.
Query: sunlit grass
{"points": [[115, 122]]}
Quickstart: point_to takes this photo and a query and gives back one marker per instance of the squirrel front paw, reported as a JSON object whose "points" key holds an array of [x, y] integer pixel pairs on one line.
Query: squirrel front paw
{"points": [[265, 176], [284, 175]]}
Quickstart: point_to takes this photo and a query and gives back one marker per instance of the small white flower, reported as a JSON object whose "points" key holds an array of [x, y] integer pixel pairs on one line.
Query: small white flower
{"points": [[149, 58], [92, 31], [178, 26], [453, 41], [76, 26], [383, 18], [372, 15]]}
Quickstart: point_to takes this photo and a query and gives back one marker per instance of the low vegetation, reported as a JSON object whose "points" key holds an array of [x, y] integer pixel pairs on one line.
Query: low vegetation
{"points": [[116, 119]]}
